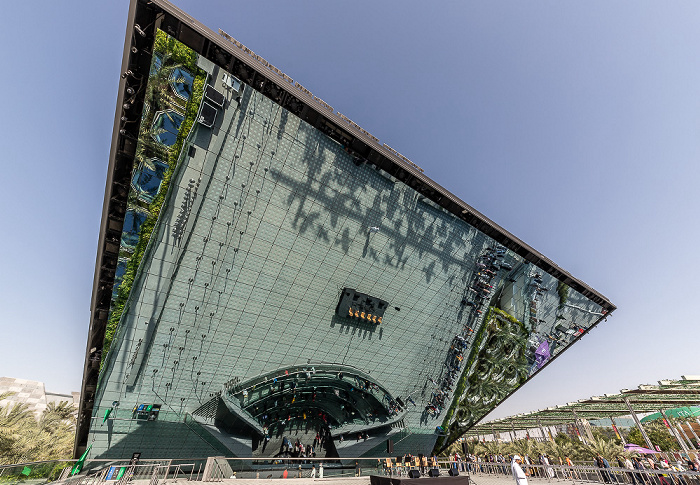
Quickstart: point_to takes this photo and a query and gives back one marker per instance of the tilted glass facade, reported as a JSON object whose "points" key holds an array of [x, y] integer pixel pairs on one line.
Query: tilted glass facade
{"points": [[246, 228]]}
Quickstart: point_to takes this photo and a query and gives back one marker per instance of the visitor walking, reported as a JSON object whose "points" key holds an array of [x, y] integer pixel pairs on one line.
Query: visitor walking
{"points": [[570, 464], [601, 462], [518, 473], [545, 462]]}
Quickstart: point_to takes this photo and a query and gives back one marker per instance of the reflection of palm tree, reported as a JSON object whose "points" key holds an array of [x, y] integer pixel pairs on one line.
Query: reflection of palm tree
{"points": [[482, 394], [511, 338], [182, 81], [159, 83], [512, 344], [499, 366], [167, 113], [158, 99], [465, 418]]}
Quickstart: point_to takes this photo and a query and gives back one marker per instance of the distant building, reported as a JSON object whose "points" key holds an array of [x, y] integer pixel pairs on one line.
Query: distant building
{"points": [[33, 394]]}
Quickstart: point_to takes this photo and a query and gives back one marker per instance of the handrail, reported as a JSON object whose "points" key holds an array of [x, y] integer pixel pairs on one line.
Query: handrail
{"points": [[580, 472], [289, 371], [41, 462]]}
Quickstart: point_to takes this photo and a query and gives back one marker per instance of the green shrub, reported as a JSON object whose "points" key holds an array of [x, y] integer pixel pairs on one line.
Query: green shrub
{"points": [[174, 53]]}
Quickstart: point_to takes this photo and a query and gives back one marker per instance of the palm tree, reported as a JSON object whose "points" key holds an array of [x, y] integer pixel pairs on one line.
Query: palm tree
{"points": [[489, 447], [23, 438], [57, 414], [600, 446], [559, 449], [531, 448], [17, 430]]}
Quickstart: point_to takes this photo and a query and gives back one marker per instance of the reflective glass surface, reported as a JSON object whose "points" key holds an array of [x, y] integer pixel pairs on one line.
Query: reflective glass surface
{"points": [[181, 81], [265, 222], [118, 275], [148, 177], [166, 126], [132, 227]]}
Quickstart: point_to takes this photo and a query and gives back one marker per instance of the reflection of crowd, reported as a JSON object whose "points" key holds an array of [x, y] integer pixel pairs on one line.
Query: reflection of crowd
{"points": [[453, 363], [289, 400], [300, 450], [477, 295], [488, 264], [281, 418]]}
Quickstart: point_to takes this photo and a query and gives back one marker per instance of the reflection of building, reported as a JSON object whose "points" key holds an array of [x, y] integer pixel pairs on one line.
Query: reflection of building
{"points": [[299, 276], [32, 394]]}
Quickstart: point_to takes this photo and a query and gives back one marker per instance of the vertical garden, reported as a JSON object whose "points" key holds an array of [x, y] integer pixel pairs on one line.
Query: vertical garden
{"points": [[172, 99]]}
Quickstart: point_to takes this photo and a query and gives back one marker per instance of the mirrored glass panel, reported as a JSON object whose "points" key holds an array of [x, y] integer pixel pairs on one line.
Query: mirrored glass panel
{"points": [[269, 283]]}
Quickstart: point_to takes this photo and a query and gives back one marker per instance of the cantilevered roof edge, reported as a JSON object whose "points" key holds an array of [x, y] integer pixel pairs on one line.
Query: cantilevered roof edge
{"points": [[136, 61], [120, 164], [436, 192]]}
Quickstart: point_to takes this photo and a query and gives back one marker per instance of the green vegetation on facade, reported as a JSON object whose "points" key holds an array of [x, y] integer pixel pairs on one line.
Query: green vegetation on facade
{"points": [[563, 292], [496, 365], [173, 54]]}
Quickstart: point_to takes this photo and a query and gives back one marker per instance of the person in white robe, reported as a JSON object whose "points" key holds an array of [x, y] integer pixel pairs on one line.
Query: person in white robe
{"points": [[518, 473], [550, 470]]}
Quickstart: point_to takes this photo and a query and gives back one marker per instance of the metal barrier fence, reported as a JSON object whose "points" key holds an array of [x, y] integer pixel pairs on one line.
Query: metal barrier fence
{"points": [[36, 471], [216, 469], [613, 475], [219, 468], [117, 472], [121, 475]]}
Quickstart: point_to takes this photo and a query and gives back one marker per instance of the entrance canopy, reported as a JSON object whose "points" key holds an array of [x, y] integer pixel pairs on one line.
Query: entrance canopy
{"points": [[646, 398]]}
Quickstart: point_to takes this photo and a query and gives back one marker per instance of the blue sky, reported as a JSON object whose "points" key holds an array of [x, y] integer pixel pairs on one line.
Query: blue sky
{"points": [[574, 125]]}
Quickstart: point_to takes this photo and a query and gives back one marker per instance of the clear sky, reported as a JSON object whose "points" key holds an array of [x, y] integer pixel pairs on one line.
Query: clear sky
{"points": [[574, 125]]}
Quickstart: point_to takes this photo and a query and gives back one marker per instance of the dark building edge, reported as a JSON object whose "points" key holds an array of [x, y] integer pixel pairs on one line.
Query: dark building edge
{"points": [[160, 14]]}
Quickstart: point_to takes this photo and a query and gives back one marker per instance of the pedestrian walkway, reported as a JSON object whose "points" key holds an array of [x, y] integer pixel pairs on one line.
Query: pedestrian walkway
{"points": [[299, 481], [487, 474], [476, 479], [266, 481]]}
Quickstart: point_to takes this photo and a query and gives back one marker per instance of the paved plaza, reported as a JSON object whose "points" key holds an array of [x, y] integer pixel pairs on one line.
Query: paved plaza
{"points": [[476, 479]]}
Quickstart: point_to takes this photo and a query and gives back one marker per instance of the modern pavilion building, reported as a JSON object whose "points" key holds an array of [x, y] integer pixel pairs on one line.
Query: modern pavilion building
{"points": [[267, 269]]}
